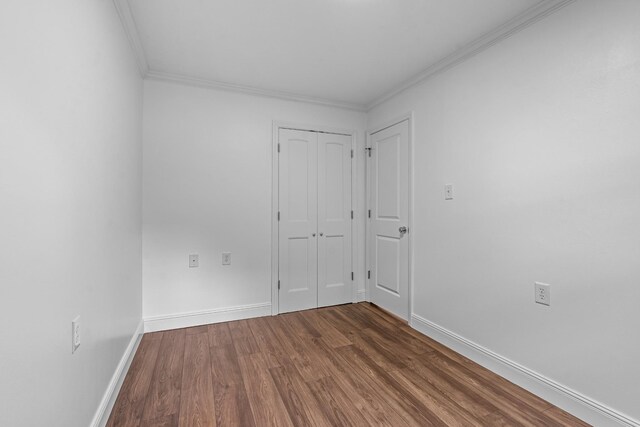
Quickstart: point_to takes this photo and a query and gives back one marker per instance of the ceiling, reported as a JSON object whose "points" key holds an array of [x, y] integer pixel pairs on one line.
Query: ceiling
{"points": [[346, 52]]}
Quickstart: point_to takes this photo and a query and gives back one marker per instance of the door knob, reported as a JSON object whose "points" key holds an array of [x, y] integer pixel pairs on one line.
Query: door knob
{"points": [[403, 229]]}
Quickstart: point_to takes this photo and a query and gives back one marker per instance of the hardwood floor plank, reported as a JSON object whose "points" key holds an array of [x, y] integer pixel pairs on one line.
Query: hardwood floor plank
{"points": [[503, 399], [300, 402], [224, 365], [498, 419], [243, 338], [383, 358], [392, 330], [232, 405], [366, 398], [154, 335], [330, 335], [202, 329], [219, 334], [346, 365], [265, 401], [163, 398], [464, 396], [129, 406], [166, 421], [440, 405], [391, 397], [334, 403], [197, 404], [306, 362], [268, 343], [350, 318], [486, 375], [303, 320]]}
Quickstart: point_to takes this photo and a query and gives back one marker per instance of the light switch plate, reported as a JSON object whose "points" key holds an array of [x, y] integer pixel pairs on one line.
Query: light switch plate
{"points": [[226, 258]]}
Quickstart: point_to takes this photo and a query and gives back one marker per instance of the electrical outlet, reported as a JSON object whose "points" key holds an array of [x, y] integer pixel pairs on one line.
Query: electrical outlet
{"points": [[194, 261], [543, 293], [75, 334], [448, 192], [226, 258]]}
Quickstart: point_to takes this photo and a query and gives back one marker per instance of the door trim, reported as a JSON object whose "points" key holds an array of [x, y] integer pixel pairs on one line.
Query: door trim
{"points": [[386, 124], [276, 126]]}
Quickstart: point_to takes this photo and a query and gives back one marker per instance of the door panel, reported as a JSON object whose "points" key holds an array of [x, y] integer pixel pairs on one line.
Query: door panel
{"points": [[388, 259], [389, 201], [298, 265], [298, 198], [388, 177], [334, 220]]}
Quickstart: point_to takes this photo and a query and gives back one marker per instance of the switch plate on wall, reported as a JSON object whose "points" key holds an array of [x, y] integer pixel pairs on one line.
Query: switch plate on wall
{"points": [[75, 334], [194, 261], [543, 293], [226, 258], [448, 192]]}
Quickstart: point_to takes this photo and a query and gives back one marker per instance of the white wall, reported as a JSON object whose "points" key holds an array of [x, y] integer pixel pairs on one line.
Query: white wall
{"points": [[70, 211], [540, 136], [207, 189]]}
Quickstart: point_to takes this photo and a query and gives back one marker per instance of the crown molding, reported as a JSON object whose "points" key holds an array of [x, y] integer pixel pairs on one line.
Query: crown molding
{"points": [[130, 28], [520, 22], [231, 87], [515, 25]]}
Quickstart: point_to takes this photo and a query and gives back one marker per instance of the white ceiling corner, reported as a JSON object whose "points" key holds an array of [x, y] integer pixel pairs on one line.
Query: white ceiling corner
{"points": [[346, 53], [509, 28], [124, 13]]}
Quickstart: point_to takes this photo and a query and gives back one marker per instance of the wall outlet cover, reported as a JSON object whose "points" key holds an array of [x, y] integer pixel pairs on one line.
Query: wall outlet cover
{"points": [[75, 334], [448, 192], [194, 261], [542, 293]]}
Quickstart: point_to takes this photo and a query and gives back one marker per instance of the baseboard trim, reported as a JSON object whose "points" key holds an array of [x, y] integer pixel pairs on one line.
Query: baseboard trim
{"points": [[564, 397], [361, 295], [204, 317], [106, 404]]}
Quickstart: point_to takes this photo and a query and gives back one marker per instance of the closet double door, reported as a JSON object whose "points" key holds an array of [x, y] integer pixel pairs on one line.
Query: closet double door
{"points": [[314, 230]]}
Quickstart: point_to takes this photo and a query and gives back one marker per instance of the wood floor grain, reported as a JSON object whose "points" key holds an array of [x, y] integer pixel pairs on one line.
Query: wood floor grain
{"points": [[345, 365]]}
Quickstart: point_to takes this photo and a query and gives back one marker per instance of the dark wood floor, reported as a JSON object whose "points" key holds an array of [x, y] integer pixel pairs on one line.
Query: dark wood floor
{"points": [[345, 365]]}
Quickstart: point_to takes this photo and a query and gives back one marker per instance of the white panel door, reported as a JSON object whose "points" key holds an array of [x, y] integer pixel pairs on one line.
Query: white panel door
{"points": [[388, 243], [298, 205], [334, 220]]}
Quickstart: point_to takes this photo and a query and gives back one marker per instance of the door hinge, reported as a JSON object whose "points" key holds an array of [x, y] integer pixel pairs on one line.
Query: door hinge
{"points": [[352, 276], [369, 213], [369, 274], [278, 284], [351, 214], [278, 215], [368, 150], [278, 147], [352, 154]]}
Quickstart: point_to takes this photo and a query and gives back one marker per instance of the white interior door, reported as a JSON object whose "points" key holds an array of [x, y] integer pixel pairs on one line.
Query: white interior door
{"points": [[298, 206], [388, 243], [314, 230], [334, 219]]}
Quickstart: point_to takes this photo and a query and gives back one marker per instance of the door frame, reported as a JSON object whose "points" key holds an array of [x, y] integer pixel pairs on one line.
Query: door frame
{"points": [[275, 188], [367, 182]]}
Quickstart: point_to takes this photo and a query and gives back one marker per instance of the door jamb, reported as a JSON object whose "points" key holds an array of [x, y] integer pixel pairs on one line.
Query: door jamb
{"points": [[276, 126], [410, 118]]}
